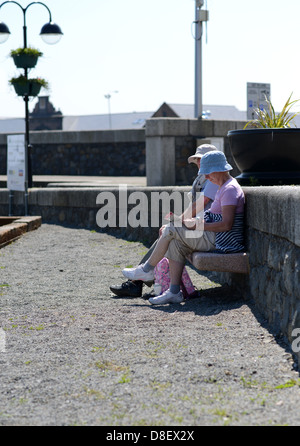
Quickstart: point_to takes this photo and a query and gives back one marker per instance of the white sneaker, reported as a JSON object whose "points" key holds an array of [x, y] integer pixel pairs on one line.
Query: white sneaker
{"points": [[167, 297], [138, 274]]}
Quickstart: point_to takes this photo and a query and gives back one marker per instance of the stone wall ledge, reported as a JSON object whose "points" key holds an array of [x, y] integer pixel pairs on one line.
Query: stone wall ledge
{"points": [[274, 210], [190, 127], [82, 137], [271, 210]]}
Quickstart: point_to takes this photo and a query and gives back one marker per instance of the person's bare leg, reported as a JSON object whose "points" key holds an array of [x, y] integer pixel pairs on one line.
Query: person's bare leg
{"points": [[173, 294], [159, 251], [145, 272], [176, 269]]}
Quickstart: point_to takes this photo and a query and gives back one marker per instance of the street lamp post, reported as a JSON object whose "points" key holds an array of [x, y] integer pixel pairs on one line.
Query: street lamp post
{"points": [[201, 15], [108, 96], [51, 34]]}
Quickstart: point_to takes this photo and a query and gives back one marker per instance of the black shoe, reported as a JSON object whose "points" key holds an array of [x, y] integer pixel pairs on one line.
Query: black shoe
{"points": [[128, 289]]}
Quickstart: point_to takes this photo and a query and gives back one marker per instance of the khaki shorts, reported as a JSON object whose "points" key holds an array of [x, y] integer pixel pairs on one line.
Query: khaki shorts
{"points": [[183, 242]]}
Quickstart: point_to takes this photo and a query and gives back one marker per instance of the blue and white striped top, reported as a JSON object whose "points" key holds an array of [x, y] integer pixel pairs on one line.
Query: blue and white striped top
{"points": [[228, 241]]}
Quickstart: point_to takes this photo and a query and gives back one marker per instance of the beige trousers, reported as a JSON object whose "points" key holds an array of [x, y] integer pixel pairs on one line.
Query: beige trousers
{"points": [[184, 242]]}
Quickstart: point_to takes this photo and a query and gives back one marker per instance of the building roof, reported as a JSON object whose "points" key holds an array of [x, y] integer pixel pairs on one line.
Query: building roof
{"points": [[12, 125], [134, 120], [216, 112], [105, 122], [137, 119]]}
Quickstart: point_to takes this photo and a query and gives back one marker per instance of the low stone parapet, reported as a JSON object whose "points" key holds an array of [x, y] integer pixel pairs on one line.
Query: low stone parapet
{"points": [[14, 227]]}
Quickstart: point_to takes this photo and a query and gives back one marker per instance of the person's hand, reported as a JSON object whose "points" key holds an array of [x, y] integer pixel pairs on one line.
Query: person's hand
{"points": [[161, 229]]}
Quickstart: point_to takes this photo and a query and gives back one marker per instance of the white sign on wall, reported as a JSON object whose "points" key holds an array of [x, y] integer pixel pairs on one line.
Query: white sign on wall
{"points": [[16, 162], [256, 97]]}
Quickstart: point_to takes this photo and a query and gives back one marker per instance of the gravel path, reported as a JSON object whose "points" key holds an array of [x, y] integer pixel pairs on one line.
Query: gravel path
{"points": [[73, 355]]}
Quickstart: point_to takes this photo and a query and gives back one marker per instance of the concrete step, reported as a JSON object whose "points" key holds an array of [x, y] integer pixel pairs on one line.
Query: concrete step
{"points": [[11, 228]]}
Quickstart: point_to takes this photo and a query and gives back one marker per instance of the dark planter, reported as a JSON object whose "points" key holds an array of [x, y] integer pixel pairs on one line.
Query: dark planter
{"points": [[29, 89], [266, 156], [25, 60]]}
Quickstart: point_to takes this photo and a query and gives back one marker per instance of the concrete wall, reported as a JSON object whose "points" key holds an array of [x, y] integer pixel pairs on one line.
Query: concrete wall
{"points": [[274, 246], [103, 153], [160, 151], [170, 141], [273, 242], [78, 207]]}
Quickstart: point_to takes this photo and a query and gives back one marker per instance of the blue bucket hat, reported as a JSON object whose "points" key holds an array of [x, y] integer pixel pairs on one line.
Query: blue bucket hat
{"points": [[214, 162]]}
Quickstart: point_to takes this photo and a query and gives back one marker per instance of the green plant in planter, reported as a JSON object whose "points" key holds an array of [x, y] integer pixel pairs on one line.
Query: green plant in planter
{"points": [[29, 51], [30, 87], [25, 57], [268, 119]]}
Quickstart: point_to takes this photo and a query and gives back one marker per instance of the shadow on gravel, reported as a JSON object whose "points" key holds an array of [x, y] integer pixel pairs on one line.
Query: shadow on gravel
{"points": [[216, 300], [210, 302]]}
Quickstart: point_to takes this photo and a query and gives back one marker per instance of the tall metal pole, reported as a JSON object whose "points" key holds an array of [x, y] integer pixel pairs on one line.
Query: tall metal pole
{"points": [[200, 16], [28, 178], [28, 170], [108, 96]]}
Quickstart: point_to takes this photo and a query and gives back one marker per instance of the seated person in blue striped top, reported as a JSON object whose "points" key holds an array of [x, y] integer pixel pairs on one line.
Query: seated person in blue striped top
{"points": [[220, 229]]}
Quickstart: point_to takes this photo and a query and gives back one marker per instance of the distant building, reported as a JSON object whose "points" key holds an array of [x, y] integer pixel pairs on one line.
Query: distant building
{"points": [[44, 116], [165, 111], [136, 120], [216, 112]]}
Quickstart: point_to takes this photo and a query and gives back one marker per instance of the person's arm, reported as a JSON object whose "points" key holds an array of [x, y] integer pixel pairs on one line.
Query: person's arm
{"points": [[228, 214], [206, 197], [188, 217], [195, 207]]}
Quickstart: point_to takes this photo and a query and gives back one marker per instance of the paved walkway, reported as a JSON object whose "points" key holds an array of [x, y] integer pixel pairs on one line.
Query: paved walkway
{"points": [[72, 354]]}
